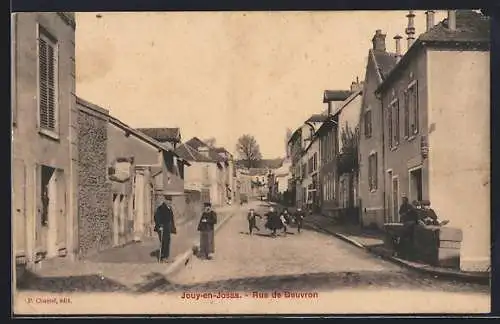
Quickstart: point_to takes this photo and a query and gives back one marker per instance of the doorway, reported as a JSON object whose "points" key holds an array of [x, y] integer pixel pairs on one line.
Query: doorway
{"points": [[415, 184], [116, 219], [47, 218]]}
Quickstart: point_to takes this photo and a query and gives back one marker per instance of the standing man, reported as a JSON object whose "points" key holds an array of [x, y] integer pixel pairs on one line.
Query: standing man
{"points": [[206, 228], [299, 218], [164, 226]]}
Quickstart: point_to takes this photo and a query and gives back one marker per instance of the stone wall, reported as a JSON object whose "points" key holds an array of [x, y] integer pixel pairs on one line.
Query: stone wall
{"points": [[95, 209]]}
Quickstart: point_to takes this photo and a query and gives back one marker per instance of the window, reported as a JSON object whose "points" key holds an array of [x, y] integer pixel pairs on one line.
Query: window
{"points": [[47, 82], [389, 125], [396, 128], [315, 162], [304, 170], [406, 115], [368, 123], [413, 108], [372, 172]]}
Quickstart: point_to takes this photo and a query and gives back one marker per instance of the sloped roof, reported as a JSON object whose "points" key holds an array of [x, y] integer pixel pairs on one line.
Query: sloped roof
{"points": [[196, 143], [317, 118], [384, 63], [188, 153], [335, 95], [162, 134], [470, 26], [472, 32]]}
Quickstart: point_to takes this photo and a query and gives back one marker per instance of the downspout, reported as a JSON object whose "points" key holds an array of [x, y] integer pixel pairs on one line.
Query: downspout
{"points": [[383, 155]]}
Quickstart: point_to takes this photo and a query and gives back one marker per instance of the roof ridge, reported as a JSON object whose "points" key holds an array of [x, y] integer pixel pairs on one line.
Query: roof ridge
{"points": [[188, 149]]}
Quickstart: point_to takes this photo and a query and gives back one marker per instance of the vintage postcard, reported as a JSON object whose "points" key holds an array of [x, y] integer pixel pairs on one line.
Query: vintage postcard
{"points": [[322, 162]]}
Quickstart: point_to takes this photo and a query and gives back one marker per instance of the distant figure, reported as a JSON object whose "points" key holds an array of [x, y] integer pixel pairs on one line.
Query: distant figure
{"points": [[408, 216], [299, 218], [429, 216], [206, 228], [407, 211], [164, 226], [285, 219], [273, 221], [251, 217]]}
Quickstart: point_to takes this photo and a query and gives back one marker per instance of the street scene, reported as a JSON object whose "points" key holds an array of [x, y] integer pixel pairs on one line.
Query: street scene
{"points": [[252, 167]]}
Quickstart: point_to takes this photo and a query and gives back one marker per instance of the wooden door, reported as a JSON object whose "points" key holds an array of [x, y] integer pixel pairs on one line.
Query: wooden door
{"points": [[116, 219]]}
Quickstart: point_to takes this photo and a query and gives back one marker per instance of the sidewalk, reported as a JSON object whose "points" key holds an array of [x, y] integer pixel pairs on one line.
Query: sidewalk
{"points": [[121, 268], [373, 242]]}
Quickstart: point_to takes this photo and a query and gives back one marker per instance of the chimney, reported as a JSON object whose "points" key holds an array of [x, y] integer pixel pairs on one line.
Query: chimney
{"points": [[410, 30], [355, 85], [430, 19], [397, 38], [378, 41], [452, 20]]}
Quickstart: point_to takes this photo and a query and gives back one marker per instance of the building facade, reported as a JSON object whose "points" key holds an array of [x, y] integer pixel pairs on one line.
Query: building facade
{"points": [[430, 125], [44, 124], [371, 153]]}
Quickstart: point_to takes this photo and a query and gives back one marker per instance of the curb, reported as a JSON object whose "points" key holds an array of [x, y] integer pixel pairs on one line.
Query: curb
{"points": [[184, 258], [466, 277]]}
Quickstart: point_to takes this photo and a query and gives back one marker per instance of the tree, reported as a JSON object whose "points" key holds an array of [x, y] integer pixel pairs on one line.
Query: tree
{"points": [[288, 135], [348, 159], [210, 141], [248, 150]]}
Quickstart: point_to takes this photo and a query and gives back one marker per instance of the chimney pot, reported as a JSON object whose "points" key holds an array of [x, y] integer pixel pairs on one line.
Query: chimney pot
{"points": [[452, 20], [430, 19], [410, 30], [398, 46], [378, 41]]}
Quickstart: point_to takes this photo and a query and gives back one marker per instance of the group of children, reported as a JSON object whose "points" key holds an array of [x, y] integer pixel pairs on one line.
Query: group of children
{"points": [[275, 220]]}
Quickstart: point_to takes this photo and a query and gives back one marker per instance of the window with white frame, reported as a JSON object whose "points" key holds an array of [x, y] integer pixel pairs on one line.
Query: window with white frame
{"points": [[413, 109], [372, 172], [47, 81], [389, 126], [406, 115], [315, 162]]}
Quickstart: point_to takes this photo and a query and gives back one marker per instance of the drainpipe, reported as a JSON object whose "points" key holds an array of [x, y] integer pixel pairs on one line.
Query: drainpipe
{"points": [[379, 97]]}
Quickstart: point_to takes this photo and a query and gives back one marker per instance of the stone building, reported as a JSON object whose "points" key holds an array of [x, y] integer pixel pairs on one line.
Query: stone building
{"points": [[121, 174], [437, 143], [44, 123]]}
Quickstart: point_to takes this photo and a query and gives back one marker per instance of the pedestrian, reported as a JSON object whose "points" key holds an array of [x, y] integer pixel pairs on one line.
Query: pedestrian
{"points": [[273, 222], [164, 226], [206, 228], [429, 216], [299, 218], [285, 219], [251, 217], [408, 216]]}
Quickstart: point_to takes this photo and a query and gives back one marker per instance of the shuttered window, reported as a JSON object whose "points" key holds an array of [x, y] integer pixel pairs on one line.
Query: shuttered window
{"points": [[47, 82]]}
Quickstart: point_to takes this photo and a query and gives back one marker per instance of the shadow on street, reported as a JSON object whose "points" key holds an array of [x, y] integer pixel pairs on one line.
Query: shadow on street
{"points": [[310, 281], [87, 283]]}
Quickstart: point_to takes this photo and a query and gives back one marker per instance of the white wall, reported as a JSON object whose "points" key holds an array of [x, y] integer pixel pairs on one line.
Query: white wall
{"points": [[459, 148], [350, 114]]}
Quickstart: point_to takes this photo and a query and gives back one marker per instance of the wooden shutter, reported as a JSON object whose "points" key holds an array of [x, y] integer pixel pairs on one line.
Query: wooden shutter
{"points": [[47, 82]]}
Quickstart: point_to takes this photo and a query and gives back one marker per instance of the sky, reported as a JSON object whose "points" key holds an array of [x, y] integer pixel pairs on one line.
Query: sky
{"points": [[224, 74]]}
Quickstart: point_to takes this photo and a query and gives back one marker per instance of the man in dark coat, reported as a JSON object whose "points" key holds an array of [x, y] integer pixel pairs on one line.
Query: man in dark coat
{"points": [[252, 221], [206, 228], [429, 216], [299, 218], [164, 226], [408, 216]]}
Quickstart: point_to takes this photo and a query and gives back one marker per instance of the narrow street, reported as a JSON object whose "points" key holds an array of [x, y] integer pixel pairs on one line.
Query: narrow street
{"points": [[332, 276]]}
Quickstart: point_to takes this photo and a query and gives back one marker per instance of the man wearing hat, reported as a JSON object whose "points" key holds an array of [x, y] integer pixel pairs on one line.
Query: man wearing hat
{"points": [[206, 228], [165, 225]]}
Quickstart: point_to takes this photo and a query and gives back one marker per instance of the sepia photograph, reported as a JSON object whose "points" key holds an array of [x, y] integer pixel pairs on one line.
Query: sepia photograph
{"points": [[250, 162]]}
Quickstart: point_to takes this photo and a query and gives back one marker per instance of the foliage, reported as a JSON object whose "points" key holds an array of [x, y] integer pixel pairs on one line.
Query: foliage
{"points": [[210, 141], [348, 158], [249, 151]]}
